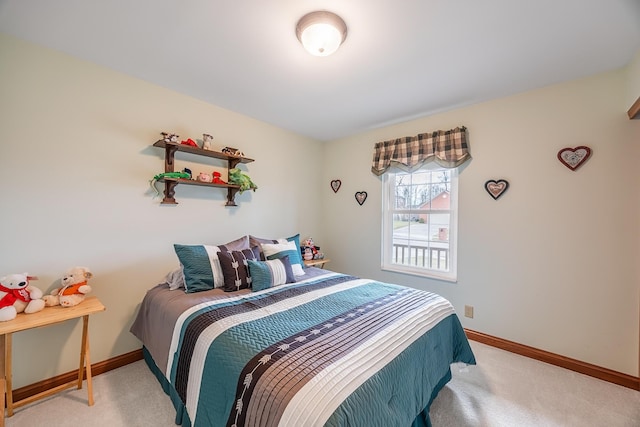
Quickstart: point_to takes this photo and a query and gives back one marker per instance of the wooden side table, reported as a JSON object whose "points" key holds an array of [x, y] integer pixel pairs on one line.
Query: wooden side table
{"points": [[48, 316], [316, 262]]}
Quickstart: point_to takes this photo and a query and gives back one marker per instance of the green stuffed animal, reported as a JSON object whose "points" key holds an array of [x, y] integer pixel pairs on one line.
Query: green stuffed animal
{"points": [[185, 174], [238, 178]]}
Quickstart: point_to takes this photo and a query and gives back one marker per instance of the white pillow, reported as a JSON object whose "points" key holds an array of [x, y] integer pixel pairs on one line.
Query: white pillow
{"points": [[175, 279], [279, 250]]}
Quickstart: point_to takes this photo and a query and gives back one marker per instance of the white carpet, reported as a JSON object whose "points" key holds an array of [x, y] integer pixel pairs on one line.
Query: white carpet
{"points": [[504, 389], [508, 390]]}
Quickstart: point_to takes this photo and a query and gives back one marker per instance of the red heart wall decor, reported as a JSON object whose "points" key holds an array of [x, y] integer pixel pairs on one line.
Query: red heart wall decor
{"points": [[361, 196], [335, 185], [496, 188], [574, 157]]}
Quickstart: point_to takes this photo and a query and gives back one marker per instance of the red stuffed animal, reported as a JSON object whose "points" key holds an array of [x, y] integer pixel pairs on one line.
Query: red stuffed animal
{"points": [[190, 142], [217, 179]]}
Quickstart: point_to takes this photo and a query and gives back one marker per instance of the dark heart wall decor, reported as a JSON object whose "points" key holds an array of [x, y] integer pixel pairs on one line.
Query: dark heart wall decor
{"points": [[496, 188], [335, 185], [361, 196], [574, 157]]}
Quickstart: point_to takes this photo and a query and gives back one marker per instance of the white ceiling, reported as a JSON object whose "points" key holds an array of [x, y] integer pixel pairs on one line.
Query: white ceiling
{"points": [[402, 59]]}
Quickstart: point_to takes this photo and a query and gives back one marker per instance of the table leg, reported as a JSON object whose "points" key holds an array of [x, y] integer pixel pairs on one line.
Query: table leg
{"points": [[8, 374], [85, 359], [82, 352], [3, 386]]}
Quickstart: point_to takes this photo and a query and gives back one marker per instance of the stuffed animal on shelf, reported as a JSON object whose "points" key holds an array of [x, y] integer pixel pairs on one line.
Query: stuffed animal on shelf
{"points": [[206, 141], [190, 142], [185, 174], [169, 137], [204, 177], [236, 177], [233, 152], [73, 290], [217, 178], [17, 296]]}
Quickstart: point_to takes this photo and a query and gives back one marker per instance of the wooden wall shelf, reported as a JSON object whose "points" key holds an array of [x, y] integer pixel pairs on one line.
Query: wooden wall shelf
{"points": [[170, 183]]}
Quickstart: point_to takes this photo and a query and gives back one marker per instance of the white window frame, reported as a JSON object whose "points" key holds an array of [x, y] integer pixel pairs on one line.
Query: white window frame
{"points": [[388, 211]]}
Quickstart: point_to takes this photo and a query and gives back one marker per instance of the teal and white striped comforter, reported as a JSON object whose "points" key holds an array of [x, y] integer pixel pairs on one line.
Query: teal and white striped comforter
{"points": [[332, 350]]}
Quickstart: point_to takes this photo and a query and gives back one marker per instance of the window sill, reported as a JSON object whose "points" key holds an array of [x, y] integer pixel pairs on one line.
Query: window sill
{"points": [[427, 274]]}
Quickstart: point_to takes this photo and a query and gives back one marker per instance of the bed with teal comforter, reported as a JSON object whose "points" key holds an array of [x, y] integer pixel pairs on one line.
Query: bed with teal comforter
{"points": [[329, 350]]}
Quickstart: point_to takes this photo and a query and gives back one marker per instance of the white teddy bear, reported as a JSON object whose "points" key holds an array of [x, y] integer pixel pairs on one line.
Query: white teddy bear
{"points": [[17, 296], [73, 290]]}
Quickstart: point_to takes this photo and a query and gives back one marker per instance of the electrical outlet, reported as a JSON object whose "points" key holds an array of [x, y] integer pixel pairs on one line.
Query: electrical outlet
{"points": [[468, 311]]}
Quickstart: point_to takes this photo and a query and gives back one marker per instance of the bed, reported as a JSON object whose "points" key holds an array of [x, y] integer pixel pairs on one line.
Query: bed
{"points": [[327, 349]]}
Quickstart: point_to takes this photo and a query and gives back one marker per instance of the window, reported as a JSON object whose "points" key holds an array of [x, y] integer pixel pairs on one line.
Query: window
{"points": [[420, 222]]}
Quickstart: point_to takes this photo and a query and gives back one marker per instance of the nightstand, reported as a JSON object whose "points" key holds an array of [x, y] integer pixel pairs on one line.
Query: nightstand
{"points": [[48, 316], [316, 262]]}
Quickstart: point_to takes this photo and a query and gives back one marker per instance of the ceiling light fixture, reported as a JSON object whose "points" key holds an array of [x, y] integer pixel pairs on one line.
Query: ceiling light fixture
{"points": [[321, 32]]}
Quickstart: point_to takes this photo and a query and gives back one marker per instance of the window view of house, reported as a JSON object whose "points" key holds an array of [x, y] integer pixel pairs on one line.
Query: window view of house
{"points": [[419, 222]]}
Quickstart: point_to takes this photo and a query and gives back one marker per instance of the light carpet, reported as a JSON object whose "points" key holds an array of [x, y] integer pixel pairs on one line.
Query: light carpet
{"points": [[504, 389]]}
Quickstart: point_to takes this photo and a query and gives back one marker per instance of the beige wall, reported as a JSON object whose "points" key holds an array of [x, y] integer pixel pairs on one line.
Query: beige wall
{"points": [[633, 81], [633, 94], [75, 164], [552, 263]]}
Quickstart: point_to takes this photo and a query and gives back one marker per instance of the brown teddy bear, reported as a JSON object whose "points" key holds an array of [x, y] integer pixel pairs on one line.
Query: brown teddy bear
{"points": [[73, 290]]}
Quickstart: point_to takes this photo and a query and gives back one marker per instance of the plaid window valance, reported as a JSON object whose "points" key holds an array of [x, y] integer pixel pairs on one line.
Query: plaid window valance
{"points": [[448, 148]]}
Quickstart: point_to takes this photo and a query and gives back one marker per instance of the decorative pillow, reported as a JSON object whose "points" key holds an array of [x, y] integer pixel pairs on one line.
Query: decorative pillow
{"points": [[235, 269], [238, 244], [258, 241], [201, 266], [175, 279], [279, 250], [266, 274]]}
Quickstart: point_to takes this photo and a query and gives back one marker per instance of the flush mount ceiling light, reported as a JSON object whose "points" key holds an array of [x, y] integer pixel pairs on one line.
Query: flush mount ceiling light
{"points": [[321, 33]]}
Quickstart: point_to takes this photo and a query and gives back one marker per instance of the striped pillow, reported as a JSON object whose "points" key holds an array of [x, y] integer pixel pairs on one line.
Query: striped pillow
{"points": [[235, 269], [258, 241], [201, 266], [284, 248], [267, 274]]}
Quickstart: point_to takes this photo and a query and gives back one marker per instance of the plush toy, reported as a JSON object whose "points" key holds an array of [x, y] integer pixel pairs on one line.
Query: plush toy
{"points": [[217, 179], [17, 296], [308, 254], [190, 142], [73, 290], [238, 178], [206, 141], [185, 174], [204, 177], [169, 137], [233, 152], [310, 250]]}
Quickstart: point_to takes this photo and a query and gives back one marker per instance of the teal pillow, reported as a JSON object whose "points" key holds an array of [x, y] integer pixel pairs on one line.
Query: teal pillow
{"points": [[258, 241], [267, 274], [197, 266], [284, 248], [296, 239], [201, 266]]}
